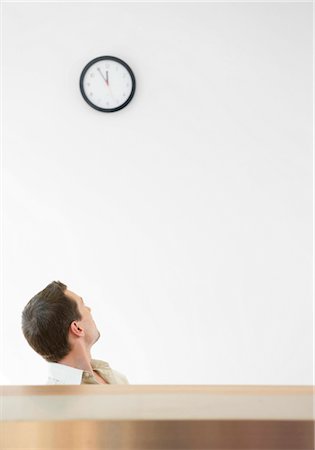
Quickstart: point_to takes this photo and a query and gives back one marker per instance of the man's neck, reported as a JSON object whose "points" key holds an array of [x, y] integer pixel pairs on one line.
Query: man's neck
{"points": [[79, 360]]}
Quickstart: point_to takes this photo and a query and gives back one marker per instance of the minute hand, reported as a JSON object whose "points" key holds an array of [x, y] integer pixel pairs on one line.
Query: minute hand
{"points": [[106, 81], [102, 75]]}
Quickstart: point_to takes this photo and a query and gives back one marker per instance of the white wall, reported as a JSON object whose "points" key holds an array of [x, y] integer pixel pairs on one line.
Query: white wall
{"points": [[183, 220]]}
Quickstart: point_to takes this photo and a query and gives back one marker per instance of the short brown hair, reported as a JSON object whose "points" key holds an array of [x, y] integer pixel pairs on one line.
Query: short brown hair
{"points": [[46, 320]]}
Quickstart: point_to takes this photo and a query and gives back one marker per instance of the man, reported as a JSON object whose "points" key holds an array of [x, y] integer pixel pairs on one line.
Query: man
{"points": [[59, 326]]}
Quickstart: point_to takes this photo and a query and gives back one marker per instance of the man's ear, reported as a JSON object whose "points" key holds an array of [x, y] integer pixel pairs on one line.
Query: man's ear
{"points": [[76, 329]]}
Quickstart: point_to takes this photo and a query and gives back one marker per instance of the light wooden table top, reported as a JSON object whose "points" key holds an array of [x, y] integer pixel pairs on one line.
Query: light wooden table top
{"points": [[156, 402]]}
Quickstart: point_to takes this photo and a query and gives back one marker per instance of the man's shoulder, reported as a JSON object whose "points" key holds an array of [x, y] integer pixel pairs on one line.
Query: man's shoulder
{"points": [[99, 364], [115, 376], [120, 377]]}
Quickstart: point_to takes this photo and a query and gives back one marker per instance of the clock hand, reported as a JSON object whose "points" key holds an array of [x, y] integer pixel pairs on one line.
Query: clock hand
{"points": [[106, 80], [112, 94]]}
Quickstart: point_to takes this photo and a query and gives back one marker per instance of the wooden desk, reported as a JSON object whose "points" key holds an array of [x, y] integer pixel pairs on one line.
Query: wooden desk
{"points": [[146, 417]]}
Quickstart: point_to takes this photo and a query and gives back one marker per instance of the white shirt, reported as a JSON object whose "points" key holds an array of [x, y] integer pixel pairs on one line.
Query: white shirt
{"points": [[63, 374]]}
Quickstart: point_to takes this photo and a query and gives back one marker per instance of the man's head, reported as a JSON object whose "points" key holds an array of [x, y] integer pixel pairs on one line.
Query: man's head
{"points": [[55, 320]]}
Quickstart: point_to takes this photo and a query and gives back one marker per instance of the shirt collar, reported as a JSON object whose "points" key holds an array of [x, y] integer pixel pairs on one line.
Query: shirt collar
{"points": [[63, 374]]}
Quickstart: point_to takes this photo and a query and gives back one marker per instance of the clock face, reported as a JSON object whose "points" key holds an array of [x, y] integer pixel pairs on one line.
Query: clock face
{"points": [[107, 84]]}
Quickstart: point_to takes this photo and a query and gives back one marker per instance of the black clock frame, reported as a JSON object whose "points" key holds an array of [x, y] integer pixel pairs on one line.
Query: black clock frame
{"points": [[111, 58]]}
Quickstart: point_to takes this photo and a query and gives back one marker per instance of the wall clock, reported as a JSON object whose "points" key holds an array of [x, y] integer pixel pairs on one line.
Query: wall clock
{"points": [[107, 84]]}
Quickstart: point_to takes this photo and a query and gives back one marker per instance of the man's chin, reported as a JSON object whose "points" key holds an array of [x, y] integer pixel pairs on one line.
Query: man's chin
{"points": [[98, 336]]}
